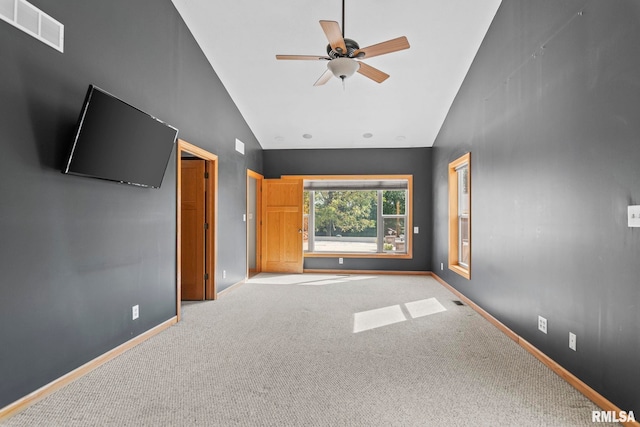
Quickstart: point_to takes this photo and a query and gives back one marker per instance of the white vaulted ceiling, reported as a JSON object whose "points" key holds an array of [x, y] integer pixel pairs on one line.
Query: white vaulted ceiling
{"points": [[240, 38]]}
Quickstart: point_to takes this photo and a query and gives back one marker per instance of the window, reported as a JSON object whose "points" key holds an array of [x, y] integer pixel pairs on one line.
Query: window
{"points": [[357, 216], [460, 216]]}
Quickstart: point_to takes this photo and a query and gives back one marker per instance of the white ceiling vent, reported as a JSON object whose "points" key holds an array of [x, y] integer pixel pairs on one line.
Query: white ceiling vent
{"points": [[25, 16]]}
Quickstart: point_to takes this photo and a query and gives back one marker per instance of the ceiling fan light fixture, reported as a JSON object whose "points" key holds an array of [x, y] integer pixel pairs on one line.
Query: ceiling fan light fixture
{"points": [[343, 67]]}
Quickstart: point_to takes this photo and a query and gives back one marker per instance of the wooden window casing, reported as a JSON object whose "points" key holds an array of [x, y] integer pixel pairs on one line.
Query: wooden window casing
{"points": [[456, 245], [407, 254]]}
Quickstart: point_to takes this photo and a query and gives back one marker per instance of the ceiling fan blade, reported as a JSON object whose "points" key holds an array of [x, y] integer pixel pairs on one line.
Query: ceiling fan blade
{"points": [[389, 46], [334, 35], [373, 73], [303, 57], [325, 77]]}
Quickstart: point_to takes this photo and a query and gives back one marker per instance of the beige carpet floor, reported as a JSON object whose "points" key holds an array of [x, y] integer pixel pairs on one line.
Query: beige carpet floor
{"points": [[321, 350]]}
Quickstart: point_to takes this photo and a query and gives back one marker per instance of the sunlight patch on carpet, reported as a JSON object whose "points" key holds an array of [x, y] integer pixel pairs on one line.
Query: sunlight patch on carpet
{"points": [[322, 282], [424, 307], [338, 279], [359, 277], [366, 320], [305, 279], [372, 319], [291, 279]]}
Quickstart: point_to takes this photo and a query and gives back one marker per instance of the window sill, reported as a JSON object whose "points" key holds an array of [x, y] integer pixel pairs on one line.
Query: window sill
{"points": [[357, 255], [464, 272]]}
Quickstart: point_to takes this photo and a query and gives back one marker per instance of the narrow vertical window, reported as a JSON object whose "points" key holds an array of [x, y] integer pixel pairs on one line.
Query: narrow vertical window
{"points": [[460, 216]]}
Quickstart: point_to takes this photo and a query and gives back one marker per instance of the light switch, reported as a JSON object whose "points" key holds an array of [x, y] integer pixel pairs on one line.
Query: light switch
{"points": [[416, 230], [634, 216]]}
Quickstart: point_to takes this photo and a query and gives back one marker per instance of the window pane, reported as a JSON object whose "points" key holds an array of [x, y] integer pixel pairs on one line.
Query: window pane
{"points": [[463, 190], [305, 232], [305, 220], [463, 256], [352, 216], [460, 215], [394, 238], [345, 221], [463, 213], [393, 202]]}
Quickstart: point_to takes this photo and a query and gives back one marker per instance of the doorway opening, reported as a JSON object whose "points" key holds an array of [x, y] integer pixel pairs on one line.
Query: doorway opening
{"points": [[254, 222], [196, 223]]}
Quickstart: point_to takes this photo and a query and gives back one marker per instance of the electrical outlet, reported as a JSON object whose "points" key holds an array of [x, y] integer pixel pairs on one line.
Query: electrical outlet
{"points": [[340, 261], [135, 312], [442, 266], [542, 324], [224, 274], [572, 341]]}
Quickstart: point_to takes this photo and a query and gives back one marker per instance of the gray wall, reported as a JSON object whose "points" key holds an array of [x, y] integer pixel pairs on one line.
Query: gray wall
{"points": [[415, 161], [553, 134], [76, 253], [550, 111]]}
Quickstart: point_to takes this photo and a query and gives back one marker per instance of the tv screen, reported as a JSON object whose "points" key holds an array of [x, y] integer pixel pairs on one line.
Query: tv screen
{"points": [[118, 142]]}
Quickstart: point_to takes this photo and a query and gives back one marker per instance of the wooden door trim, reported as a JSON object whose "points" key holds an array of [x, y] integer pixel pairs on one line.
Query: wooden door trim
{"points": [[211, 217], [258, 177]]}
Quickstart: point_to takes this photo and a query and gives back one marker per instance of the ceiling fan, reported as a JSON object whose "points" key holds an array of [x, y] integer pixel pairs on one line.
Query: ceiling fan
{"points": [[344, 54]]}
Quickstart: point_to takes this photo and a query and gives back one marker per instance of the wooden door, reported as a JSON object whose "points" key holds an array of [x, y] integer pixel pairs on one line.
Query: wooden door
{"points": [[282, 226], [193, 219]]}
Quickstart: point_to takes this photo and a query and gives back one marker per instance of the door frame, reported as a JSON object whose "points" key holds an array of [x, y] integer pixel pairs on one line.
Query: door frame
{"points": [[258, 177], [211, 202]]}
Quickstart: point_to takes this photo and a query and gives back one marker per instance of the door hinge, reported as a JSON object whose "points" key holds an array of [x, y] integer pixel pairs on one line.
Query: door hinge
{"points": [[206, 175], [206, 276], [206, 226]]}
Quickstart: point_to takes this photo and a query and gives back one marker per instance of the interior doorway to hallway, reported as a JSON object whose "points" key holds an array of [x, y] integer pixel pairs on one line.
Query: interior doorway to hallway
{"points": [[254, 223], [196, 215]]}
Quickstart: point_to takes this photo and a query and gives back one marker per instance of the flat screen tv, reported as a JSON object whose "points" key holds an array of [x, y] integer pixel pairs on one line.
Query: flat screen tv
{"points": [[118, 142]]}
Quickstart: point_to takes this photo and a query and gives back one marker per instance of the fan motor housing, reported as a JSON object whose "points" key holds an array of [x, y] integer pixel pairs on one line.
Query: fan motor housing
{"points": [[351, 45]]}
